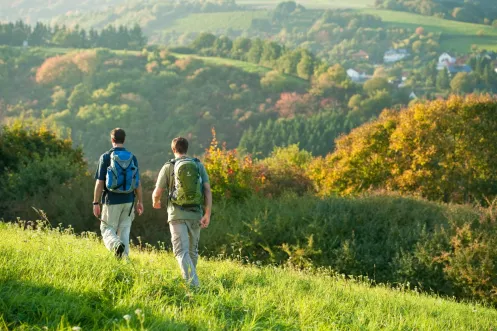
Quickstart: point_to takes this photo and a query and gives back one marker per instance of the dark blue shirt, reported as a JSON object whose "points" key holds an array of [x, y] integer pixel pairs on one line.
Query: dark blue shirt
{"points": [[111, 198]]}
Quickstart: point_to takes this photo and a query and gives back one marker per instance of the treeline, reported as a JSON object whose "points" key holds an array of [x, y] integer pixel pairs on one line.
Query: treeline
{"points": [[16, 34], [299, 62], [315, 134], [473, 11]]}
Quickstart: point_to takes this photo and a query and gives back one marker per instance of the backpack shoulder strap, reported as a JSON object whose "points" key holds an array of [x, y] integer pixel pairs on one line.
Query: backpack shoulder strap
{"points": [[171, 176]]}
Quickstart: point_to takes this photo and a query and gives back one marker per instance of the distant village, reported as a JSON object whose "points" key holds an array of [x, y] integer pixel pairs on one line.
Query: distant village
{"points": [[446, 61]]}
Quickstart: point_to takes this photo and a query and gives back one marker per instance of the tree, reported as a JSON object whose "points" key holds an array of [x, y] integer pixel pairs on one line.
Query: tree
{"points": [[59, 99], [463, 83], [417, 46], [442, 81], [254, 55], [204, 40], [271, 52], [377, 84], [241, 47], [305, 67], [79, 97], [59, 70]]}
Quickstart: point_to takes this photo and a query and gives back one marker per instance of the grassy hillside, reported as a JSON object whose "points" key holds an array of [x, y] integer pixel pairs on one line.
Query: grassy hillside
{"points": [[456, 36], [57, 280], [198, 22], [312, 3]]}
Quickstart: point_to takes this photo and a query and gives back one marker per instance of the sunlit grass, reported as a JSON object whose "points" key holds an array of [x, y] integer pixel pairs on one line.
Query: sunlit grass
{"points": [[312, 3], [199, 22], [58, 280]]}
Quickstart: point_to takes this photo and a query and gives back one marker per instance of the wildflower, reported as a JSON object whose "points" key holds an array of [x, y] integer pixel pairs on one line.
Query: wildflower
{"points": [[138, 312], [127, 317], [76, 328]]}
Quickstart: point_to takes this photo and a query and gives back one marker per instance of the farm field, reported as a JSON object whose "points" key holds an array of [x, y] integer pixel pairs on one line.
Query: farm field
{"points": [[238, 20], [53, 279], [457, 36], [312, 3]]}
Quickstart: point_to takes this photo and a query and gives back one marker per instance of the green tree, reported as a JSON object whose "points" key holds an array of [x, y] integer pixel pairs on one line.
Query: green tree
{"points": [[255, 52], [305, 68], [377, 84], [79, 97], [204, 40], [443, 82], [463, 83]]}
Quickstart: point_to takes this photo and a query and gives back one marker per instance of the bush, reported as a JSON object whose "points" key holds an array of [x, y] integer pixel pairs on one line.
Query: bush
{"points": [[390, 239]]}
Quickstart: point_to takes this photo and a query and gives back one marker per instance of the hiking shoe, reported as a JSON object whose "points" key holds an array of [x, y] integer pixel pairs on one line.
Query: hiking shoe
{"points": [[120, 250]]}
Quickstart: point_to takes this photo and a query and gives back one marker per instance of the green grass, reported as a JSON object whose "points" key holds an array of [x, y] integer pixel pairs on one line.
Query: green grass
{"points": [[458, 36], [58, 280], [312, 3], [238, 20], [251, 68]]}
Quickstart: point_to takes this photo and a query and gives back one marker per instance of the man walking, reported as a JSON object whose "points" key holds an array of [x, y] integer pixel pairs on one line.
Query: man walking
{"points": [[187, 187], [118, 178]]}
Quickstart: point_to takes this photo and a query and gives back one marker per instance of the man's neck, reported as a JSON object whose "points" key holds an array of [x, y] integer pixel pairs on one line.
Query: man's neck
{"points": [[114, 145], [177, 156]]}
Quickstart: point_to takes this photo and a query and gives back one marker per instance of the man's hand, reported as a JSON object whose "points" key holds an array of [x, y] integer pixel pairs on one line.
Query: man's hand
{"points": [[139, 208], [157, 205], [96, 211], [204, 222]]}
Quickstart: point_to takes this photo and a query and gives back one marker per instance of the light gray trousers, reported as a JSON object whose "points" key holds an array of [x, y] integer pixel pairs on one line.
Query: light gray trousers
{"points": [[185, 235], [116, 225]]}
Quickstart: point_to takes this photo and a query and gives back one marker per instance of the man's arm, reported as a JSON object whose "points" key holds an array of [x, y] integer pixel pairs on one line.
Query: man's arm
{"points": [[162, 183], [156, 197], [139, 202], [97, 194], [204, 222]]}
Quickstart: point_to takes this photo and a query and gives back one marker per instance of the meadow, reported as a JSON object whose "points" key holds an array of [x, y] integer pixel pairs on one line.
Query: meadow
{"points": [[456, 36], [311, 3], [52, 279], [198, 22]]}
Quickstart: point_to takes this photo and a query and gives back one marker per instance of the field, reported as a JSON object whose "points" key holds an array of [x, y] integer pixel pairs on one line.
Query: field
{"points": [[457, 36], [312, 3], [54, 279], [214, 21]]}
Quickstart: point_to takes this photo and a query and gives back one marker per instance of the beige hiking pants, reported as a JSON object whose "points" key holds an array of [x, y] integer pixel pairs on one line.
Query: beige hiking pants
{"points": [[116, 225], [185, 235]]}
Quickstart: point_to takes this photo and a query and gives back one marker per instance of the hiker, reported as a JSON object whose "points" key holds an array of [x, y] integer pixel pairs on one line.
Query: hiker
{"points": [[118, 178], [189, 203]]}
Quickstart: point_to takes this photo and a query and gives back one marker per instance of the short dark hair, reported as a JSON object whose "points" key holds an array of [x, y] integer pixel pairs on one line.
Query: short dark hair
{"points": [[118, 135], [180, 145]]}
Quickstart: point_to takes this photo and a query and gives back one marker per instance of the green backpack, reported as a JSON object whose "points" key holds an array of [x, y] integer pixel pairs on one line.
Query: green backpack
{"points": [[186, 183]]}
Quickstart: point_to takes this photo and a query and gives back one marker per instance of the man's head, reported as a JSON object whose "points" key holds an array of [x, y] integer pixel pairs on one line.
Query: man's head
{"points": [[118, 136], [179, 146]]}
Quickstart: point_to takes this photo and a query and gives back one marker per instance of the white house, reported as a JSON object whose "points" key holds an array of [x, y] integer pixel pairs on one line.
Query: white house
{"points": [[394, 55], [445, 60], [356, 76]]}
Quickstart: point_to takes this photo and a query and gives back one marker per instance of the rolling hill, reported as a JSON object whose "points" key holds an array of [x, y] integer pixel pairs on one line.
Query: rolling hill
{"points": [[57, 280]]}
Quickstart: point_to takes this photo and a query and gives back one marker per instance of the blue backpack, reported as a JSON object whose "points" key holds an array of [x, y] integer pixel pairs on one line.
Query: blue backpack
{"points": [[122, 173]]}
